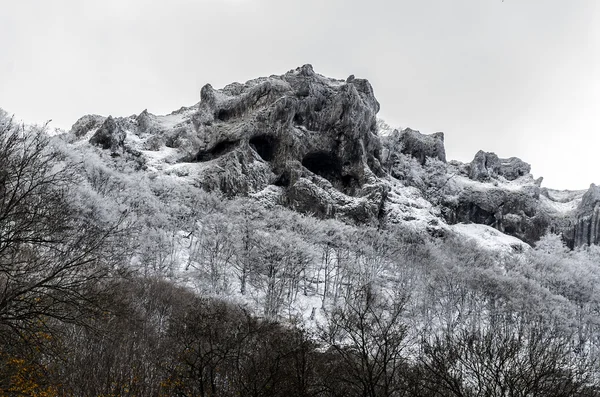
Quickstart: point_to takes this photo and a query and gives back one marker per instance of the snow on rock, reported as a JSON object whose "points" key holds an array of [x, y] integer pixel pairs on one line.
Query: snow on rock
{"points": [[559, 207], [489, 238], [497, 183], [315, 145], [406, 205]]}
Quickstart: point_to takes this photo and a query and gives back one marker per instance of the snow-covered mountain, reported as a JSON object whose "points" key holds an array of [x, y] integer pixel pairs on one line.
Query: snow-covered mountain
{"points": [[276, 237], [312, 144]]}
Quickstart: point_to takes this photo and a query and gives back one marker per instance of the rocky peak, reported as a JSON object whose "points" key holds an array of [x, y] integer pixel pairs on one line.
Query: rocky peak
{"points": [[312, 143], [109, 136], [487, 165], [587, 227], [85, 124], [589, 201], [314, 137], [420, 146]]}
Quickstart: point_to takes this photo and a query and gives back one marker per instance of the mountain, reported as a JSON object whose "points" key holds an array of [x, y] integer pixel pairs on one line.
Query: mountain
{"points": [[312, 143], [277, 239]]}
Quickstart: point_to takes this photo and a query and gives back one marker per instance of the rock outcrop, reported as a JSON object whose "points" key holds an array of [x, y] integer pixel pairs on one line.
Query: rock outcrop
{"points": [[513, 212], [487, 165], [311, 143], [314, 137], [109, 136], [85, 124], [587, 225], [421, 146], [400, 144]]}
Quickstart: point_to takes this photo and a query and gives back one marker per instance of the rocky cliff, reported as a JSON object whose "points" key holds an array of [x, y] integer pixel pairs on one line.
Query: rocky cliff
{"points": [[312, 143], [587, 223]]}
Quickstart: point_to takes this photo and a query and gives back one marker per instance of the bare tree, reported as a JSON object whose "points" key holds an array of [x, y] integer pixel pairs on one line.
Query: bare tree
{"points": [[55, 251], [368, 338], [509, 359]]}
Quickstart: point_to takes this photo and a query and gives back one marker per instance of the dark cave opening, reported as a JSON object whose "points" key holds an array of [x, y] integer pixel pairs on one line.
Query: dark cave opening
{"points": [[325, 165], [264, 145], [218, 150], [224, 114], [283, 180], [350, 184], [329, 167], [298, 119]]}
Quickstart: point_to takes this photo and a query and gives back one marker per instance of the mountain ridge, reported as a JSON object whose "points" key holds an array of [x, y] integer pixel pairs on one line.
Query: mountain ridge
{"points": [[312, 143]]}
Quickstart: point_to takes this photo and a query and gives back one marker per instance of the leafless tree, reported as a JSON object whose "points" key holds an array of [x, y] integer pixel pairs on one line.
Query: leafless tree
{"points": [[55, 250], [367, 336]]}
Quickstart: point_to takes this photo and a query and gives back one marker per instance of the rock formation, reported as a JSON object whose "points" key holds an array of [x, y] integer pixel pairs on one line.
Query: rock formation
{"points": [[421, 146], [109, 136], [487, 165], [514, 212], [311, 143], [314, 137], [587, 225], [86, 124]]}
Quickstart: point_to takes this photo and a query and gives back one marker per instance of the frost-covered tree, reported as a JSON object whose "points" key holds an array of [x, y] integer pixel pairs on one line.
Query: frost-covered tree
{"points": [[56, 249]]}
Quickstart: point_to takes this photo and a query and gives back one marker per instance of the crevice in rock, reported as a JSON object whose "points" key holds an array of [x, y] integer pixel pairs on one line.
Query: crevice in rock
{"points": [[264, 145], [350, 184], [218, 150], [298, 119]]}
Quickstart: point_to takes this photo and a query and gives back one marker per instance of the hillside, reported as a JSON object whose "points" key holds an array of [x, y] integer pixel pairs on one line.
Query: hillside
{"points": [[311, 143], [276, 222]]}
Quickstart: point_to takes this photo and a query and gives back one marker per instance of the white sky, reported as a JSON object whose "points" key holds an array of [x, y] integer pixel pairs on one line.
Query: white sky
{"points": [[519, 77]]}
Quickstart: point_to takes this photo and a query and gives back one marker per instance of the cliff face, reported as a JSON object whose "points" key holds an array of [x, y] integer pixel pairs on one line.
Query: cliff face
{"points": [[311, 143], [587, 224], [499, 193], [311, 136]]}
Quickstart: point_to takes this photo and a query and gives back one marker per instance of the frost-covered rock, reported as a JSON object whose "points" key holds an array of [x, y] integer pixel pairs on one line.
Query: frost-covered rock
{"points": [[313, 144], [587, 225], [313, 136], [109, 136], [86, 123], [421, 146], [487, 165], [512, 211]]}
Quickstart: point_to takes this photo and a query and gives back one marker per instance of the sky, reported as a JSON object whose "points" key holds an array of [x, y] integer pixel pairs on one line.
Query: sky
{"points": [[515, 77]]}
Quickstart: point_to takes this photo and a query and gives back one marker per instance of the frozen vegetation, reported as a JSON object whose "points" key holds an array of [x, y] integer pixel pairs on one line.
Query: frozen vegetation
{"points": [[277, 240]]}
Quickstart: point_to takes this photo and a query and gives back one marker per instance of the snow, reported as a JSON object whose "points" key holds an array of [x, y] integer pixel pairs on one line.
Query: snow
{"points": [[406, 205], [559, 207], [170, 121], [561, 202], [269, 196], [564, 196], [500, 183], [489, 238]]}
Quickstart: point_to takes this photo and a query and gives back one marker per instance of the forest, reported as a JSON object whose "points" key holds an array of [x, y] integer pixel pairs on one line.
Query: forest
{"points": [[115, 282]]}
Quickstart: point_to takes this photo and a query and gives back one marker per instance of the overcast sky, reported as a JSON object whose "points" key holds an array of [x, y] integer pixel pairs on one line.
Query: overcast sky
{"points": [[519, 77]]}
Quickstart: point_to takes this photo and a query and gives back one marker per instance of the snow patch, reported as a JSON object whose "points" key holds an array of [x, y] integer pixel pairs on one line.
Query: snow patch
{"points": [[563, 208], [489, 238], [499, 183]]}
